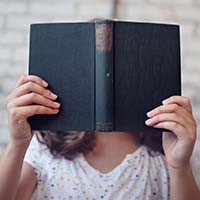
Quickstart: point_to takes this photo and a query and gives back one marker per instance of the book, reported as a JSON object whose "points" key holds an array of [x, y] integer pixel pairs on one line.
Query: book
{"points": [[107, 74]]}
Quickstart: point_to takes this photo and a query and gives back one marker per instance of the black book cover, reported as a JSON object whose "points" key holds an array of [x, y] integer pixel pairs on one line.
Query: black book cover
{"points": [[107, 73]]}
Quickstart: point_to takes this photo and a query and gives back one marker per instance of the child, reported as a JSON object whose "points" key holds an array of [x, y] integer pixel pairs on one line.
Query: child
{"points": [[79, 165]]}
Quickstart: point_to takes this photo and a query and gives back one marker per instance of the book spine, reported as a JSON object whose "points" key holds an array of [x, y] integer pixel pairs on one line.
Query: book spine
{"points": [[104, 75]]}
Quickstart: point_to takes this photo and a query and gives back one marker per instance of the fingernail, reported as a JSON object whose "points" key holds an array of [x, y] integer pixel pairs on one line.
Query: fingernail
{"points": [[149, 121], [165, 101], [56, 103], [53, 95], [45, 83], [55, 111], [150, 113]]}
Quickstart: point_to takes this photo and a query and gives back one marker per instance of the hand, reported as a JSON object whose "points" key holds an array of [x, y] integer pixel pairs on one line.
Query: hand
{"points": [[176, 116], [29, 97]]}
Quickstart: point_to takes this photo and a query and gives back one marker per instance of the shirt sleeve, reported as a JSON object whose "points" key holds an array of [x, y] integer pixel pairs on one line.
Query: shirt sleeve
{"points": [[33, 156]]}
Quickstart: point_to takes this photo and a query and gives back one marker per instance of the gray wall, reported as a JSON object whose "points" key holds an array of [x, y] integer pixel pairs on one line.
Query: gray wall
{"points": [[16, 15]]}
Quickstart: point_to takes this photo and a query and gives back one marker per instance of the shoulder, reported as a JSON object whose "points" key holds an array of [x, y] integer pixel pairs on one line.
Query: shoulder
{"points": [[52, 173], [147, 159], [155, 165], [38, 155], [151, 161], [156, 168], [36, 149], [155, 157]]}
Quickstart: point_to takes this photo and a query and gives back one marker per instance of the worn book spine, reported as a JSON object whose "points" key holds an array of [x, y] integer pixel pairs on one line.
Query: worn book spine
{"points": [[104, 72]]}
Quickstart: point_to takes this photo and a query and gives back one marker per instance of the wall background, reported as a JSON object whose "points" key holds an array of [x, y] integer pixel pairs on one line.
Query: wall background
{"points": [[16, 15]]}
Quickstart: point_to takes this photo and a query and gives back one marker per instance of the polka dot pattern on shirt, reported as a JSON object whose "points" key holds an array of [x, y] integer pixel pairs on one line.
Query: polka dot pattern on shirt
{"points": [[139, 176]]}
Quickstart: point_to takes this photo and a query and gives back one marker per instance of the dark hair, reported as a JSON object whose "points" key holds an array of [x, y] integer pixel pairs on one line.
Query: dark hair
{"points": [[69, 144]]}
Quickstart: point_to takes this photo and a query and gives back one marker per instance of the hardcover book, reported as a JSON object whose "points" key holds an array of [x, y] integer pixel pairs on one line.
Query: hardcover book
{"points": [[107, 74]]}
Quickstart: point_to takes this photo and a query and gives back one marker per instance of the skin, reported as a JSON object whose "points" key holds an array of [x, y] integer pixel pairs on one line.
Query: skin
{"points": [[18, 179], [176, 115], [110, 149]]}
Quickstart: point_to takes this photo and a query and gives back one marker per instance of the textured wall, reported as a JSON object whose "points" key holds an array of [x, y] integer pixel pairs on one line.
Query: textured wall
{"points": [[15, 17]]}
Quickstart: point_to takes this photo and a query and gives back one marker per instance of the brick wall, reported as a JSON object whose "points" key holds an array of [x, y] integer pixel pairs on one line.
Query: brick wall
{"points": [[15, 17]]}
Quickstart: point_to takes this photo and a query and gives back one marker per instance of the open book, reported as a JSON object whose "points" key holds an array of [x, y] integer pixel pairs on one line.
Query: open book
{"points": [[107, 73]]}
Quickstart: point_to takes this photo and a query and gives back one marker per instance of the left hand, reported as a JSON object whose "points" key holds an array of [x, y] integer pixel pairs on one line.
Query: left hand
{"points": [[176, 116]]}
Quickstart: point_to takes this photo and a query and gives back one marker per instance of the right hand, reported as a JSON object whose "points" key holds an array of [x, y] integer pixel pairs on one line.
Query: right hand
{"points": [[29, 97]]}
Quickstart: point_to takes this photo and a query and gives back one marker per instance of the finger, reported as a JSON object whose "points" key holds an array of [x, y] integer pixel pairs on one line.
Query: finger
{"points": [[31, 98], [28, 111], [32, 87], [176, 128], [33, 78], [180, 100], [172, 117], [163, 109], [170, 108]]}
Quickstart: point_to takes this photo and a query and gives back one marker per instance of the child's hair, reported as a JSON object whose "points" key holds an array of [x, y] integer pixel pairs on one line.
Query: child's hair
{"points": [[69, 144]]}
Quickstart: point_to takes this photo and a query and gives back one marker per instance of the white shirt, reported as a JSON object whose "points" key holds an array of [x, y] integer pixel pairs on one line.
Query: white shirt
{"points": [[140, 176]]}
